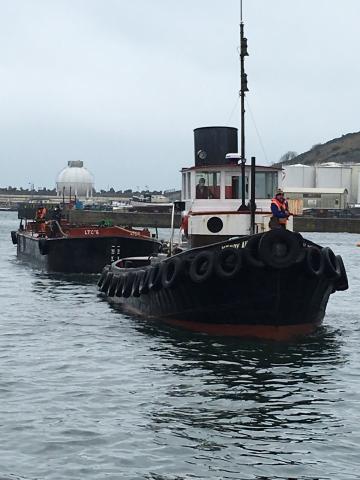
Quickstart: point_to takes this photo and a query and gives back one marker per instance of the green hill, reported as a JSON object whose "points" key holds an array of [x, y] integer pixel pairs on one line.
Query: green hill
{"points": [[345, 149]]}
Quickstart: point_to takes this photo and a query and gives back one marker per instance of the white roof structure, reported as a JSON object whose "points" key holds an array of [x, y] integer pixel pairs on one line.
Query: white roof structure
{"points": [[75, 179], [314, 190], [331, 164]]}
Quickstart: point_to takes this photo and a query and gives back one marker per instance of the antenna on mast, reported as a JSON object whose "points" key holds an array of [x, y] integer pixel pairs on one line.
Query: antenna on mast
{"points": [[243, 89]]}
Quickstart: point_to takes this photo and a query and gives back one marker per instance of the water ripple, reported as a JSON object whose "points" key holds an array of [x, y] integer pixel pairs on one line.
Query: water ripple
{"points": [[87, 392]]}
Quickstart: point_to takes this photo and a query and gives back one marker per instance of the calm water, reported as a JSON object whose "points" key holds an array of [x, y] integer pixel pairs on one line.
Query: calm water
{"points": [[88, 393]]}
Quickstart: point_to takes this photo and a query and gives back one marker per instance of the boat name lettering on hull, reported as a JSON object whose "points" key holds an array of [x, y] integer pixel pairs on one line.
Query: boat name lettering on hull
{"points": [[234, 245], [91, 232]]}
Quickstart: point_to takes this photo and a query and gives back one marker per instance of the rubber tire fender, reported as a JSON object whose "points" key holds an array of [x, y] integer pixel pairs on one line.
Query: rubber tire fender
{"points": [[171, 272], [144, 282], [102, 277], [43, 246], [129, 278], [332, 264], [14, 237], [202, 266], [251, 252], [107, 281], [112, 286], [119, 285], [314, 262], [136, 283], [343, 283], [279, 238], [154, 282], [302, 252], [228, 262]]}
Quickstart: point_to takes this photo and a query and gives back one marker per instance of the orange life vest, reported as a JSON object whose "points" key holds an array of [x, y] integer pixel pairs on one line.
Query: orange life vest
{"points": [[41, 213], [281, 207]]}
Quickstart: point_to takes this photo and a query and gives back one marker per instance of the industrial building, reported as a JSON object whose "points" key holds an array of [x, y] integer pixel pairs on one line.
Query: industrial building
{"points": [[328, 185], [318, 197]]}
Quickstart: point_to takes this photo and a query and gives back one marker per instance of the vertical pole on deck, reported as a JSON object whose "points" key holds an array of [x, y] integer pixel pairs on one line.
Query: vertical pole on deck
{"points": [[243, 89], [172, 228], [252, 197]]}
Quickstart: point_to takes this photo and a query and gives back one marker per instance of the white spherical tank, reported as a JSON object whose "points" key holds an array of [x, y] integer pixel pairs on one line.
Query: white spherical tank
{"points": [[333, 176], [75, 179], [299, 176]]}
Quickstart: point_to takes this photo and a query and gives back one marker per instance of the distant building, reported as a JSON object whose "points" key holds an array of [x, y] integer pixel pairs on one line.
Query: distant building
{"points": [[322, 198], [324, 176], [75, 180]]}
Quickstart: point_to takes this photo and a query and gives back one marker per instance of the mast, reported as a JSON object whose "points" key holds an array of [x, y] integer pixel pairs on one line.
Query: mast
{"points": [[243, 89]]}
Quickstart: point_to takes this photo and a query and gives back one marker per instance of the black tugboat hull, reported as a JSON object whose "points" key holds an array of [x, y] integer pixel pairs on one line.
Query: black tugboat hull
{"points": [[81, 255], [247, 306], [258, 301]]}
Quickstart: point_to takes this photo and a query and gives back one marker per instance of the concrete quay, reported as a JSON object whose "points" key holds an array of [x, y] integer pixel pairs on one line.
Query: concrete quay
{"points": [[129, 219], [163, 220], [327, 224]]}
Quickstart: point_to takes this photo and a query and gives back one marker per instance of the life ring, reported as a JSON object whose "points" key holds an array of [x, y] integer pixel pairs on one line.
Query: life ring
{"points": [[112, 286], [136, 283], [14, 237], [228, 262], [314, 262], [331, 263], [251, 253], [144, 282], [202, 266], [107, 281], [279, 248], [171, 272], [343, 283], [128, 284], [154, 282], [43, 246], [185, 225]]}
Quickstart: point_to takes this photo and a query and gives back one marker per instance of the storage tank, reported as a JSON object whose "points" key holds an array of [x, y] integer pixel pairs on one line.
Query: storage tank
{"points": [[213, 143], [75, 179], [298, 176], [355, 190], [333, 176]]}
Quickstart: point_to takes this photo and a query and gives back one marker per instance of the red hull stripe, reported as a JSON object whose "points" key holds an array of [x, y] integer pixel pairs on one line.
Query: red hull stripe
{"points": [[268, 332]]}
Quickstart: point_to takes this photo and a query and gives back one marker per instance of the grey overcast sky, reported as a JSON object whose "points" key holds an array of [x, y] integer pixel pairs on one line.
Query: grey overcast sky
{"points": [[121, 84]]}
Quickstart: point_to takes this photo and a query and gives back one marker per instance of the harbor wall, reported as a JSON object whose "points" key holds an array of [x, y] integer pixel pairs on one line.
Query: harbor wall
{"points": [[316, 224], [130, 219], [163, 220]]}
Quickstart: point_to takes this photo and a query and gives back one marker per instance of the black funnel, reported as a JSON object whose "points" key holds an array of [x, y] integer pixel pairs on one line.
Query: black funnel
{"points": [[213, 143]]}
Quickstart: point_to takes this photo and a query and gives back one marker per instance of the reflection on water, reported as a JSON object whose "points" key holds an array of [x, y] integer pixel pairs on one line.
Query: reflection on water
{"points": [[259, 400]]}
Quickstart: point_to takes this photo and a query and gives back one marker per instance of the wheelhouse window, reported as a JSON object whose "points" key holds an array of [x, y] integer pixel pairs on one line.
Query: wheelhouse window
{"points": [[207, 185], [265, 184], [233, 186]]}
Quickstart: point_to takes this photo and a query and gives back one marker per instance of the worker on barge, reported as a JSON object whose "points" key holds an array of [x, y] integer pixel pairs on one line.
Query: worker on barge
{"points": [[280, 211], [55, 224], [40, 219]]}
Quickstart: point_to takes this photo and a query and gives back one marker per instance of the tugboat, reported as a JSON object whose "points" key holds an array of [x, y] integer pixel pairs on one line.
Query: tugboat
{"points": [[233, 275], [58, 246]]}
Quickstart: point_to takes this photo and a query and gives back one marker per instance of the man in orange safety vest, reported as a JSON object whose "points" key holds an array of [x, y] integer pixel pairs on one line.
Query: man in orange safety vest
{"points": [[280, 210]]}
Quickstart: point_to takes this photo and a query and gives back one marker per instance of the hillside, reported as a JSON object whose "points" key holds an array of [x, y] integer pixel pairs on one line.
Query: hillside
{"points": [[345, 149]]}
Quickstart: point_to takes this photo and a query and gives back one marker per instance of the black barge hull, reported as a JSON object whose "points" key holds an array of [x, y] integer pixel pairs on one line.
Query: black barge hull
{"points": [[81, 255]]}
